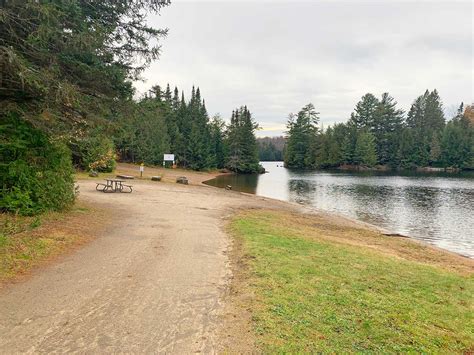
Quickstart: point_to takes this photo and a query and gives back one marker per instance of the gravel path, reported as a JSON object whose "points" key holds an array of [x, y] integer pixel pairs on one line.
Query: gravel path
{"points": [[153, 282]]}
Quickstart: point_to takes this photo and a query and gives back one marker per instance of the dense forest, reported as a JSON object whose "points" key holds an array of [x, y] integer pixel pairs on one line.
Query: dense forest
{"points": [[67, 100], [379, 134], [165, 122]]}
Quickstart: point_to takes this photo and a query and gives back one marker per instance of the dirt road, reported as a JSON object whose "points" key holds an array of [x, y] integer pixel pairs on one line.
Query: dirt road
{"points": [[153, 282]]}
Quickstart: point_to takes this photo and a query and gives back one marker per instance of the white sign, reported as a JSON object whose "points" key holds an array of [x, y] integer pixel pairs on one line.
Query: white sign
{"points": [[168, 157]]}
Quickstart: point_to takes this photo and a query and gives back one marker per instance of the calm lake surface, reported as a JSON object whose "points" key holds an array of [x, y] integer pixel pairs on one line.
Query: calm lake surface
{"points": [[433, 207]]}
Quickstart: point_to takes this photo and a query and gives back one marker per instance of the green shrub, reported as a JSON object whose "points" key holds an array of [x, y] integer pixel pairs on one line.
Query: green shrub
{"points": [[36, 174], [96, 152]]}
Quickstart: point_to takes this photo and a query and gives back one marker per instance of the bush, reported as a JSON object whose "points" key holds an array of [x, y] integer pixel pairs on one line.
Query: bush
{"points": [[36, 174], [96, 152]]}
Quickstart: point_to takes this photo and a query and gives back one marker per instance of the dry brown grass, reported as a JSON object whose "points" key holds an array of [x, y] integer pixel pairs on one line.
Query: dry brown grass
{"points": [[236, 335], [27, 243]]}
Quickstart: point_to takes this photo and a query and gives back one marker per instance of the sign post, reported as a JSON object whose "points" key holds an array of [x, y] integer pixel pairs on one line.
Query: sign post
{"points": [[142, 169], [168, 157]]}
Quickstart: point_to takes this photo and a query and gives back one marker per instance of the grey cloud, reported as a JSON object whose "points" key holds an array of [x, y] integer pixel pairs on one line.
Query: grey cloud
{"points": [[277, 56]]}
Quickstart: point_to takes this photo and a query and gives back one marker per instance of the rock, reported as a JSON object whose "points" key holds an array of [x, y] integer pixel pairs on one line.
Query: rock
{"points": [[182, 180], [430, 169], [128, 177], [156, 178], [93, 173], [228, 187], [389, 234]]}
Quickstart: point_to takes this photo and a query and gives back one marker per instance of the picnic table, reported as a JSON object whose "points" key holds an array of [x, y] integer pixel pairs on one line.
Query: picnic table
{"points": [[114, 185]]}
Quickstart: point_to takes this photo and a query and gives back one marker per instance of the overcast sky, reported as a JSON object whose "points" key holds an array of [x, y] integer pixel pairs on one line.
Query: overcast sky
{"points": [[276, 56]]}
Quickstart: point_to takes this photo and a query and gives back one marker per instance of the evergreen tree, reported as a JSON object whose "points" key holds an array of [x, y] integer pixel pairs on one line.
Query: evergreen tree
{"points": [[407, 155], [364, 113], [302, 142], [148, 137], [426, 119], [320, 152], [167, 95], [198, 147], [242, 143], [388, 122], [434, 112], [184, 126], [217, 151], [416, 115], [176, 101], [457, 143], [365, 150], [347, 150]]}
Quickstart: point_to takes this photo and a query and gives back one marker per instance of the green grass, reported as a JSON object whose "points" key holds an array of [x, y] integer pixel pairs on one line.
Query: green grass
{"points": [[315, 295]]}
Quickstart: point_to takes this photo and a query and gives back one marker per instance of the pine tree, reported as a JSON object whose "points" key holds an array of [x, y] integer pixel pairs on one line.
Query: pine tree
{"points": [[347, 150], [386, 127], [176, 100], [426, 119], [457, 142], [217, 151], [416, 115], [302, 138], [198, 149], [184, 126], [242, 143], [167, 95], [156, 93], [434, 114], [365, 150], [171, 117], [364, 113], [407, 155]]}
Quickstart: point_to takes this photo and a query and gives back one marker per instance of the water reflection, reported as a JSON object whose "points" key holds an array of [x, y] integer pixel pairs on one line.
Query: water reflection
{"points": [[301, 191], [244, 183], [436, 208]]}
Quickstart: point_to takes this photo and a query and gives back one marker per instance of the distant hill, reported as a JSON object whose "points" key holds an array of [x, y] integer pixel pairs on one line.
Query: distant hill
{"points": [[271, 148]]}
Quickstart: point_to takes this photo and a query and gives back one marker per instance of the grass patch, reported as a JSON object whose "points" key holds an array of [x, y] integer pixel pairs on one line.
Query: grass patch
{"points": [[323, 288], [26, 242], [84, 175]]}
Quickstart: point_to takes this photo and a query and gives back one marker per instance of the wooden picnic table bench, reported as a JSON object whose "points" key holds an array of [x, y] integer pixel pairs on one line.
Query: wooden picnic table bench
{"points": [[114, 185]]}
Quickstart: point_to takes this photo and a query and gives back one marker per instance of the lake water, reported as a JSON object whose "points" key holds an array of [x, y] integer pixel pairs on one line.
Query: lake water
{"points": [[433, 207]]}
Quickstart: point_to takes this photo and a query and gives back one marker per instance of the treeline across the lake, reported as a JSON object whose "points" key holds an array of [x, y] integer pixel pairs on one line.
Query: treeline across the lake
{"points": [[271, 148], [165, 122], [379, 134], [67, 100]]}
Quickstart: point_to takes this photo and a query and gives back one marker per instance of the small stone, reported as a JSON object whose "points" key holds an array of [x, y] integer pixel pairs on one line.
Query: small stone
{"points": [[156, 178], [182, 180], [93, 173]]}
